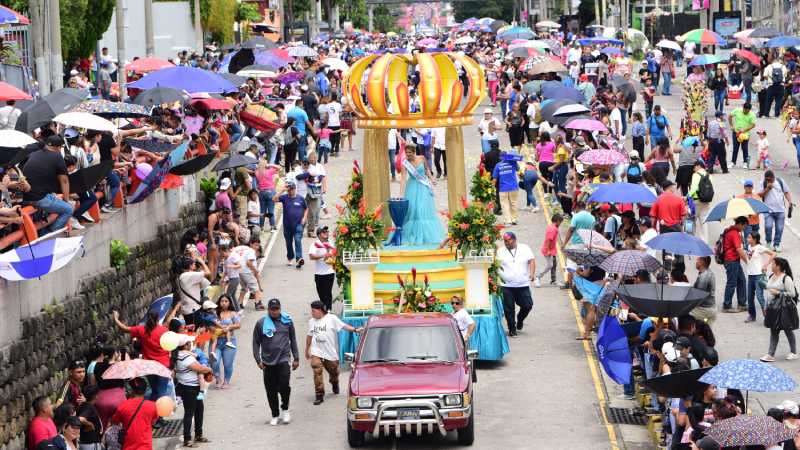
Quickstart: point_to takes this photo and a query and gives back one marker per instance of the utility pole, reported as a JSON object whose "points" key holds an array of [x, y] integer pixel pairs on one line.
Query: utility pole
{"points": [[370, 15], [598, 20], [198, 27], [150, 46], [40, 57], [56, 63], [121, 48]]}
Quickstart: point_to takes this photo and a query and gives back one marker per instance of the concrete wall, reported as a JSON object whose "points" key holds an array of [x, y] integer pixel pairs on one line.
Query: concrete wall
{"points": [[172, 25]]}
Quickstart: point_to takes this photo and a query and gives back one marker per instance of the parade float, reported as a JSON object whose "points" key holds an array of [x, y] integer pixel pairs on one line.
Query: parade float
{"points": [[381, 272]]}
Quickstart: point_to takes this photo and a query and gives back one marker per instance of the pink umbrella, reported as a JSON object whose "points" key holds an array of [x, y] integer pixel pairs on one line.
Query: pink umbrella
{"points": [[134, 368], [427, 42], [602, 157], [586, 125]]}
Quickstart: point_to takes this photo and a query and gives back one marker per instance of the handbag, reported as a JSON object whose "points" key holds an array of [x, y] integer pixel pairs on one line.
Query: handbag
{"points": [[781, 312]]}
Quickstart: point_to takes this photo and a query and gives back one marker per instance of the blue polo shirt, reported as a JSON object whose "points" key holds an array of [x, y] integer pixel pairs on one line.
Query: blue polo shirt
{"points": [[293, 210], [300, 117], [505, 172], [653, 123]]}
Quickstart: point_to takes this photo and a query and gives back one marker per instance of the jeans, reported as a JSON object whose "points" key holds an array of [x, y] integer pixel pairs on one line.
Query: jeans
{"points": [[718, 153], [267, 206], [520, 296], [323, 151], [667, 82], [624, 125], [293, 234], [113, 184], [52, 204], [226, 355], [754, 291], [744, 146], [719, 99], [775, 94], [236, 132], [773, 341], [560, 178], [528, 182], [192, 410], [324, 285], [302, 145], [392, 168], [748, 90], [775, 219], [86, 199], [336, 140], [734, 281], [276, 381], [796, 142]]}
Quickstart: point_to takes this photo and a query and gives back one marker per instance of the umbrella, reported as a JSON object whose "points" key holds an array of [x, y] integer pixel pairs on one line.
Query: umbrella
{"points": [[233, 78], [85, 120], [628, 262], [592, 238], [153, 180], [145, 65], [9, 16], [782, 42], [523, 52], [161, 306], [256, 71], [680, 243], [666, 43], [586, 125], [661, 300], [547, 24], [234, 161], [611, 51], [516, 33], [15, 139], [704, 60], [302, 51], [563, 120], [36, 260], [600, 41], [9, 92], [736, 207], [764, 33], [187, 79], [336, 64], [703, 36], [160, 96], [135, 368], [194, 165], [678, 384], [602, 157], [427, 42], [628, 90], [543, 64], [613, 351], [542, 46], [43, 110], [152, 145], [569, 110], [212, 104], [290, 77], [258, 42], [585, 256], [748, 55], [548, 110], [749, 375], [107, 109], [564, 92], [86, 179], [744, 430], [497, 24], [465, 40], [622, 193]]}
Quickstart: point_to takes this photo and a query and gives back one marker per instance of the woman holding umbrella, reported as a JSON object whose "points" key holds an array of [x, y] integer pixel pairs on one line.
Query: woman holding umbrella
{"points": [[781, 285]]}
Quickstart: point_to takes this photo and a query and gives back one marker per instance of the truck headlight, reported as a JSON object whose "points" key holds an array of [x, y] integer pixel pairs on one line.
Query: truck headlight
{"points": [[364, 402], [452, 400]]}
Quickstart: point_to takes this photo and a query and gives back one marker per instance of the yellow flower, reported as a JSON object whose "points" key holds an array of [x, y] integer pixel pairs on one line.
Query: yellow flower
{"points": [[470, 238], [480, 221]]}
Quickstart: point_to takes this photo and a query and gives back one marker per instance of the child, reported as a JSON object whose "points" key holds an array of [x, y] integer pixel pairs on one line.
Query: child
{"points": [[253, 213], [648, 94], [231, 267], [763, 150], [549, 250], [638, 132], [574, 71]]}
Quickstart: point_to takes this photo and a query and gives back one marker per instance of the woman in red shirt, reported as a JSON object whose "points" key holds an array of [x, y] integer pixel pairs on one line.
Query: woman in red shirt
{"points": [[138, 425], [149, 335]]}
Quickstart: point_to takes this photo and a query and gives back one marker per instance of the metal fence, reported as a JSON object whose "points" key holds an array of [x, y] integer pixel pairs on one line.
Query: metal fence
{"points": [[19, 37]]}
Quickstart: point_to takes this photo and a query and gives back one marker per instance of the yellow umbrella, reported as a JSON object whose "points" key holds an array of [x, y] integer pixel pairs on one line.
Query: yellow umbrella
{"points": [[262, 112]]}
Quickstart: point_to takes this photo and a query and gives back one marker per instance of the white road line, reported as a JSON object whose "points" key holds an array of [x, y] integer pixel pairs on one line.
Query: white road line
{"points": [[269, 246]]}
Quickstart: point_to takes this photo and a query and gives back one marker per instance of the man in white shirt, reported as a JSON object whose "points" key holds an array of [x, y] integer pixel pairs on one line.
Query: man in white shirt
{"points": [[466, 324], [322, 252], [615, 118], [191, 282], [249, 278], [9, 115], [648, 232], [322, 347], [517, 269], [488, 128], [334, 110], [438, 136]]}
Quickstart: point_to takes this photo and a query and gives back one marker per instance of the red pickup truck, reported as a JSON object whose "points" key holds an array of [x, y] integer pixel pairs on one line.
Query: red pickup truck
{"points": [[411, 373]]}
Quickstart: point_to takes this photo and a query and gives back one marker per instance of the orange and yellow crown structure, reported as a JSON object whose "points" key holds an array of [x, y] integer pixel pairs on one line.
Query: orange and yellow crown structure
{"points": [[441, 93]]}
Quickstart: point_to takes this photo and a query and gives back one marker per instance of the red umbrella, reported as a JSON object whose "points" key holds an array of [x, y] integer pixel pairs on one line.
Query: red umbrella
{"points": [[9, 92], [213, 104], [259, 123], [145, 65], [748, 55], [22, 20], [281, 53]]}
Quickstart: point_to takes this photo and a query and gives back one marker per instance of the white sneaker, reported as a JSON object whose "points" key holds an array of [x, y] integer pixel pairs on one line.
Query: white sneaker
{"points": [[107, 209], [777, 248], [791, 356], [537, 282], [744, 165], [274, 421], [87, 217], [75, 224], [286, 418], [769, 358], [535, 209]]}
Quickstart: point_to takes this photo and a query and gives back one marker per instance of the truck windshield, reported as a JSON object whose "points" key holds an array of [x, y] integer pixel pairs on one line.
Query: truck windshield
{"points": [[410, 344]]}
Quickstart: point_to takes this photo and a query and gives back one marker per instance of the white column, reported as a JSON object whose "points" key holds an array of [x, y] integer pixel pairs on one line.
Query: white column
{"points": [[370, 11], [56, 63], [121, 47], [335, 18]]}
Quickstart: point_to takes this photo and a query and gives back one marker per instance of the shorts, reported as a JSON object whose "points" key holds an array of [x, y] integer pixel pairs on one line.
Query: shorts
{"points": [[248, 282]]}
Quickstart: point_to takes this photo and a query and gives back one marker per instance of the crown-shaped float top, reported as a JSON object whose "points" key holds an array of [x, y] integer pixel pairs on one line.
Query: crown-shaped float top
{"points": [[386, 86]]}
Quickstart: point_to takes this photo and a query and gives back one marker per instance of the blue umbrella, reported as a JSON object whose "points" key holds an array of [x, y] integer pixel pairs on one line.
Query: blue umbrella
{"points": [[704, 60], [152, 181], [186, 79], [600, 41], [611, 51], [160, 305], [783, 42], [613, 351], [33, 261], [563, 92], [517, 33], [680, 244], [749, 375], [622, 193], [736, 207]]}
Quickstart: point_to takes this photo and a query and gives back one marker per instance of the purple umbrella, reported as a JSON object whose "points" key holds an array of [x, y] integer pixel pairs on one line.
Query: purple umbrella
{"points": [[290, 77], [186, 79], [563, 92], [271, 59]]}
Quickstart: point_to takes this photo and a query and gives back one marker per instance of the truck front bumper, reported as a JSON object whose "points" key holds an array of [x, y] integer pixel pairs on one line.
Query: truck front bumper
{"points": [[431, 417]]}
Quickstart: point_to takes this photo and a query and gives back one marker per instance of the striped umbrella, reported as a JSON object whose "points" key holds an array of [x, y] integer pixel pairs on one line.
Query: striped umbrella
{"points": [[628, 262], [736, 207], [36, 260], [602, 157], [703, 36]]}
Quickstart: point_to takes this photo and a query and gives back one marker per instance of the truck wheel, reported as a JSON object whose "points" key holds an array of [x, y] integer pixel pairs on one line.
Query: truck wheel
{"points": [[354, 437], [466, 435]]}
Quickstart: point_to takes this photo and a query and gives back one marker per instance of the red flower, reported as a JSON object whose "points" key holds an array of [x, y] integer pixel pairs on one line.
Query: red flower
{"points": [[463, 226], [356, 185], [343, 229], [369, 229], [426, 279], [464, 203], [490, 205], [400, 281], [481, 170], [485, 238], [362, 207], [356, 169], [378, 211], [414, 275], [499, 227], [340, 208]]}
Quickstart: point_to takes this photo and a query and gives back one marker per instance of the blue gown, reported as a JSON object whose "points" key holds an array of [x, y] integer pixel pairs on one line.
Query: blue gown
{"points": [[422, 224]]}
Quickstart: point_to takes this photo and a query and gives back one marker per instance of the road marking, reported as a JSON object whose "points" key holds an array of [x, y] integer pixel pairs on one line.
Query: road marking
{"points": [[268, 250], [587, 349]]}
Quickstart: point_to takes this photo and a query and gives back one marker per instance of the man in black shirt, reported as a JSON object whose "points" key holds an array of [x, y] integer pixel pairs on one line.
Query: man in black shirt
{"points": [[310, 103], [46, 173], [106, 143]]}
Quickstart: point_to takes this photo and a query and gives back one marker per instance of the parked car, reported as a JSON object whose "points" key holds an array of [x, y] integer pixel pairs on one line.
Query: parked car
{"points": [[411, 373]]}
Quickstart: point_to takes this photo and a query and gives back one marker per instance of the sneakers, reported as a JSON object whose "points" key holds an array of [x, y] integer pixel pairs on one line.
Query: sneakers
{"points": [[535, 209], [75, 224], [230, 344], [770, 358], [259, 307], [319, 400], [777, 248], [107, 209], [791, 356], [749, 319], [286, 418], [537, 282], [274, 421], [300, 263], [87, 217], [745, 165]]}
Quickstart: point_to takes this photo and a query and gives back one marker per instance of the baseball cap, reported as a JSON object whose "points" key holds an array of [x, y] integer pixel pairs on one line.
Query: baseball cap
{"points": [[274, 303], [488, 111], [225, 184], [291, 184], [633, 154], [322, 229], [208, 304], [682, 342], [747, 183], [54, 141], [184, 339]]}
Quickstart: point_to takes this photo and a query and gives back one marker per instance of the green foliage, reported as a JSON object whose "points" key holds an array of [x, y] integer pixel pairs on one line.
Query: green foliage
{"points": [[586, 11], [221, 16], [500, 9], [209, 187], [384, 21], [247, 12], [483, 188], [119, 253], [356, 11]]}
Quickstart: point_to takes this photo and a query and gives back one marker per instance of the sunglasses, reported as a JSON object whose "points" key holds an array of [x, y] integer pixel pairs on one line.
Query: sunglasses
{"points": [[455, 303]]}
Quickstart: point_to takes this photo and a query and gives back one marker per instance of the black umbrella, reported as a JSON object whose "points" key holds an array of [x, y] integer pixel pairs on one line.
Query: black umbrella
{"points": [[678, 384], [497, 24], [152, 145], [86, 179], [233, 78], [564, 119], [42, 111], [24, 153], [549, 109], [193, 165], [8, 154], [234, 161], [661, 300], [160, 96], [259, 42]]}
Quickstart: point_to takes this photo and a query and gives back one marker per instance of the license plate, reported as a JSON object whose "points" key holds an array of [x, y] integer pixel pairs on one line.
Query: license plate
{"points": [[407, 414]]}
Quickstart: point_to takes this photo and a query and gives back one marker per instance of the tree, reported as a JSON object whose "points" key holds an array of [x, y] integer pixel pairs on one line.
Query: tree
{"points": [[384, 21], [586, 12], [356, 12], [221, 16], [500, 9]]}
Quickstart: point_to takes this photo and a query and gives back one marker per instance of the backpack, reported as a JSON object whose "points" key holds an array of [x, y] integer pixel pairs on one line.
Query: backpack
{"points": [[777, 75], [719, 248], [634, 174], [705, 190]]}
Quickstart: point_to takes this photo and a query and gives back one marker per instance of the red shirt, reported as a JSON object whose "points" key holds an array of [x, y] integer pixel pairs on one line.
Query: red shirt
{"points": [[39, 430], [151, 344], [139, 435], [550, 239], [669, 209], [731, 243]]}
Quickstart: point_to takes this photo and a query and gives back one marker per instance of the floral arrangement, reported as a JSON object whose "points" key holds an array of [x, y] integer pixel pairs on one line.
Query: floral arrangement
{"points": [[356, 229], [355, 191], [483, 188], [695, 101], [474, 228], [416, 297]]}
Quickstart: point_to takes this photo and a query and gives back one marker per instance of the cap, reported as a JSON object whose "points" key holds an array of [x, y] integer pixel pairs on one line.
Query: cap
{"points": [[747, 183], [54, 141], [509, 235], [225, 184], [208, 304], [488, 111], [584, 77], [322, 229], [605, 207], [634, 154], [73, 72], [184, 339], [707, 443], [316, 304], [274, 303], [682, 342], [291, 185]]}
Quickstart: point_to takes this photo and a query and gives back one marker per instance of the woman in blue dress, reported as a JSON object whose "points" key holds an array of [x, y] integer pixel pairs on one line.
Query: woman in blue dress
{"points": [[422, 224]]}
